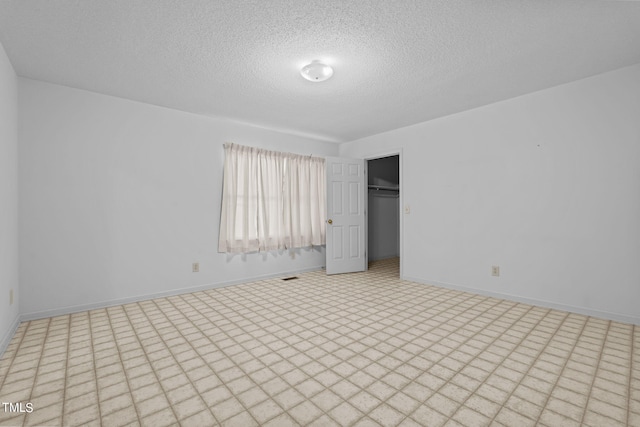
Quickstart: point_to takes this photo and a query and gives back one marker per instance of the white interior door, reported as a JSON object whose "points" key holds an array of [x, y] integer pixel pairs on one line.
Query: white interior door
{"points": [[346, 223]]}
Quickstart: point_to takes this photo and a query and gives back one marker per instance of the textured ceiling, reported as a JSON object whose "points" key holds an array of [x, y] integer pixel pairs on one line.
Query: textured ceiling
{"points": [[397, 62]]}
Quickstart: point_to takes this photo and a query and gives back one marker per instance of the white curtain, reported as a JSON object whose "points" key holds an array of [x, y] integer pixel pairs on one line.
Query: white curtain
{"points": [[271, 200]]}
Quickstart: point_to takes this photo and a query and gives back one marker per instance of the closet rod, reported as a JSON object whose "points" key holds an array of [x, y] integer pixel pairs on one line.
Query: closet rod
{"points": [[383, 187]]}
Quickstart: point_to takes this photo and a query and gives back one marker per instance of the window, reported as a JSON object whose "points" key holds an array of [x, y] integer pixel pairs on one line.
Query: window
{"points": [[271, 200]]}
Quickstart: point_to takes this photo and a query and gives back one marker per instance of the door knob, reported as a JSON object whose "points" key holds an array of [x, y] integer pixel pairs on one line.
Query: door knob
{"points": [[330, 221]]}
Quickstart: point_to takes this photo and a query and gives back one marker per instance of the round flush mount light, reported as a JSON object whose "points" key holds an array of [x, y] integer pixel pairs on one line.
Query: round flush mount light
{"points": [[316, 71]]}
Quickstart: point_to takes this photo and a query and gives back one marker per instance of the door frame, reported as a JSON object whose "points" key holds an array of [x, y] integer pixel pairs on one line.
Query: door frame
{"points": [[380, 155]]}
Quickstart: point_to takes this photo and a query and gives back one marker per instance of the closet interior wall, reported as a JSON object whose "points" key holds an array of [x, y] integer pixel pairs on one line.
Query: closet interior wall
{"points": [[383, 208]]}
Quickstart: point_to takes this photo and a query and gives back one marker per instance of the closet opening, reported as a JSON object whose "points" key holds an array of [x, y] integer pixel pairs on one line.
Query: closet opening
{"points": [[383, 212]]}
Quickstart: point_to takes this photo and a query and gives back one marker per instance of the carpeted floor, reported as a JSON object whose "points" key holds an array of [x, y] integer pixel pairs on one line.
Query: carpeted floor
{"points": [[363, 349]]}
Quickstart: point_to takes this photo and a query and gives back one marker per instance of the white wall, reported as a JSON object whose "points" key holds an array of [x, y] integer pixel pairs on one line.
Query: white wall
{"points": [[546, 186], [118, 198], [8, 199]]}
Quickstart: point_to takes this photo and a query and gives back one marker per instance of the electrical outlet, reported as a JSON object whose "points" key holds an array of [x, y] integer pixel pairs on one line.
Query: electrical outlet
{"points": [[10, 296], [495, 270], [195, 267]]}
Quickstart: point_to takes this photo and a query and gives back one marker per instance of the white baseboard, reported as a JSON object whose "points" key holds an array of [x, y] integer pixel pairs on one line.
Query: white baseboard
{"points": [[532, 301], [103, 304], [6, 339]]}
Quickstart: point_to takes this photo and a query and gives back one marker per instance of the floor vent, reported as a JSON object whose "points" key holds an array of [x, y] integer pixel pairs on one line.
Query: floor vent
{"points": [[290, 278]]}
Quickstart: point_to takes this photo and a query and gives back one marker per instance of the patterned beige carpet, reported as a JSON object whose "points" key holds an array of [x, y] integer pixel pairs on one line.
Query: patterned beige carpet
{"points": [[361, 349]]}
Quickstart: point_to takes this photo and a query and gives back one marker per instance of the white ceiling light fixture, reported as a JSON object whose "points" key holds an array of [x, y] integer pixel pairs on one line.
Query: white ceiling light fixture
{"points": [[316, 71]]}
